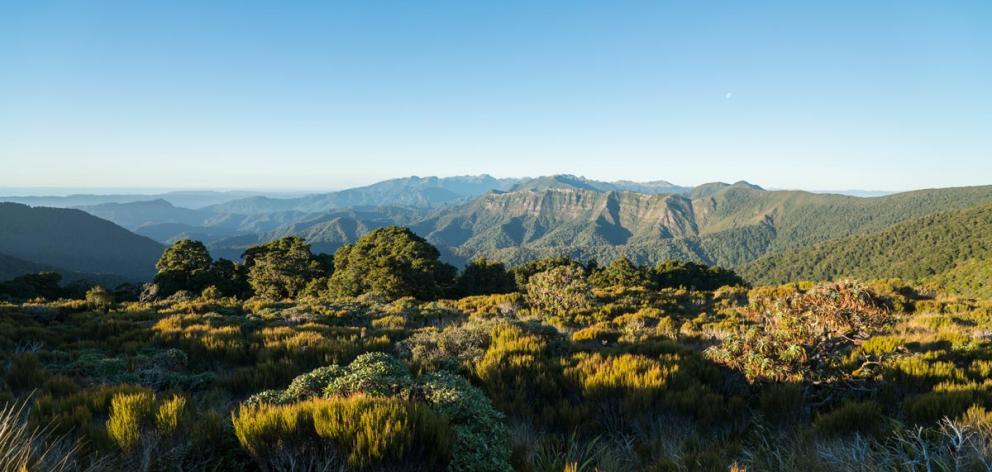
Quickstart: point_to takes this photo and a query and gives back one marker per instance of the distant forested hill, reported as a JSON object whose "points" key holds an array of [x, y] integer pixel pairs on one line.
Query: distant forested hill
{"points": [[721, 224], [75, 241], [915, 249]]}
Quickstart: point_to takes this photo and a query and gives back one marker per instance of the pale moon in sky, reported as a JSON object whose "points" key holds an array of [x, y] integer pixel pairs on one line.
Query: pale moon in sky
{"points": [[728, 95]]}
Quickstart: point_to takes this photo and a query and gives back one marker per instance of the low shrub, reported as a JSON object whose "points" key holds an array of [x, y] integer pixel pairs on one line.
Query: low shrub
{"points": [[130, 413], [363, 433], [853, 417]]}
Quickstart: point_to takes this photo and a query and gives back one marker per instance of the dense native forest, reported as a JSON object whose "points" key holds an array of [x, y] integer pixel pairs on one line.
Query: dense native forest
{"points": [[384, 357]]}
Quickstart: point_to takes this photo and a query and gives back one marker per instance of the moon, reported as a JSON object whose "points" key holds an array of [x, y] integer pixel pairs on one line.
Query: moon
{"points": [[728, 95]]}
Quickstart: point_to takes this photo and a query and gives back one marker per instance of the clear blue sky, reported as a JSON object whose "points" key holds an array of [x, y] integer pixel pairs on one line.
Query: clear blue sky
{"points": [[242, 94]]}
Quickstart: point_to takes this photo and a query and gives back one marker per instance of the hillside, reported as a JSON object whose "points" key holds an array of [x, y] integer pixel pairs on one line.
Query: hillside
{"points": [[76, 241], [728, 225], [11, 267], [134, 215], [914, 249], [417, 192]]}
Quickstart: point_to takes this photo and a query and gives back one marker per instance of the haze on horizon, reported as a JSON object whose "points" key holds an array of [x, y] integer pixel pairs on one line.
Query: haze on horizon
{"points": [[322, 96]]}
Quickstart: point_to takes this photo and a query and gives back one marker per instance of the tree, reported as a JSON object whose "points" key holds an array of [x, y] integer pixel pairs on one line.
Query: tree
{"points": [[559, 291], [229, 278], [186, 265], [27, 286], [674, 274], [483, 276], [282, 268], [392, 262], [523, 272], [622, 273]]}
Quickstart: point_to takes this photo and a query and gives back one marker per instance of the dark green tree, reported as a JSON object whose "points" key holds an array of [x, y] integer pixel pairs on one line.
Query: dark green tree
{"points": [[523, 272], [230, 278], [282, 268], [27, 286], [622, 272], [483, 276], [674, 274], [186, 265], [392, 262]]}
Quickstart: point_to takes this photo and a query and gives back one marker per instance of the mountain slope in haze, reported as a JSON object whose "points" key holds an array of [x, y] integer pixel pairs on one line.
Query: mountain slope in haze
{"points": [[324, 231], [11, 267], [76, 241], [134, 215], [914, 249], [567, 181], [187, 198], [417, 192]]}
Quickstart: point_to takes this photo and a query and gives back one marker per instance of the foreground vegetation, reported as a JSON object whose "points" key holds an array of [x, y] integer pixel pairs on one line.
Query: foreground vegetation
{"points": [[384, 358]]}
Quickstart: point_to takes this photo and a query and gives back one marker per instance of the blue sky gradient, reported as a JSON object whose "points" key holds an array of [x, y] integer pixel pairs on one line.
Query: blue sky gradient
{"points": [[323, 95]]}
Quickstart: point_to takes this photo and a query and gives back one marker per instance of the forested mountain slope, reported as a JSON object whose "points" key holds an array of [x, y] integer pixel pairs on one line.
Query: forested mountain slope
{"points": [[725, 224], [914, 249], [76, 241]]}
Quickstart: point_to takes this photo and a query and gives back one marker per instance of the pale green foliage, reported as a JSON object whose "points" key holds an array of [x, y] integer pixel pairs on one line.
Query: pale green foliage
{"points": [[169, 415], [480, 438], [130, 413], [360, 432], [99, 298], [560, 291]]}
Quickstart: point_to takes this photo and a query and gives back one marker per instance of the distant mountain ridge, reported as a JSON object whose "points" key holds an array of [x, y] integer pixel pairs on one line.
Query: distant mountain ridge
{"points": [[417, 192], [188, 199]]}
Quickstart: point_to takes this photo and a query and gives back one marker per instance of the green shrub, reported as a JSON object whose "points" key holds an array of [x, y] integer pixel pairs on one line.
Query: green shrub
{"points": [[781, 403], [130, 414], [365, 433], [853, 417], [930, 407], [170, 414]]}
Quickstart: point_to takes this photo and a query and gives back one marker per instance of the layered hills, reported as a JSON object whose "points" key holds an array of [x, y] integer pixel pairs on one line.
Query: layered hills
{"points": [[770, 235], [73, 240]]}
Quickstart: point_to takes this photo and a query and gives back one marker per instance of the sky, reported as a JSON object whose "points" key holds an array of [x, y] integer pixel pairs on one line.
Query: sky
{"points": [[324, 95]]}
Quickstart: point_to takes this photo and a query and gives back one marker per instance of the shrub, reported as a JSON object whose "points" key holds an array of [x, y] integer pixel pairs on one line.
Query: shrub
{"points": [[803, 336], [561, 291], [600, 332], [852, 417], [454, 347], [130, 413], [169, 415], [930, 407], [781, 403], [481, 440], [98, 298], [363, 432]]}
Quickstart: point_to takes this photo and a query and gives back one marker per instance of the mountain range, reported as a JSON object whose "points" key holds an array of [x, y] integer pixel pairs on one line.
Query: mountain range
{"points": [[769, 236]]}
